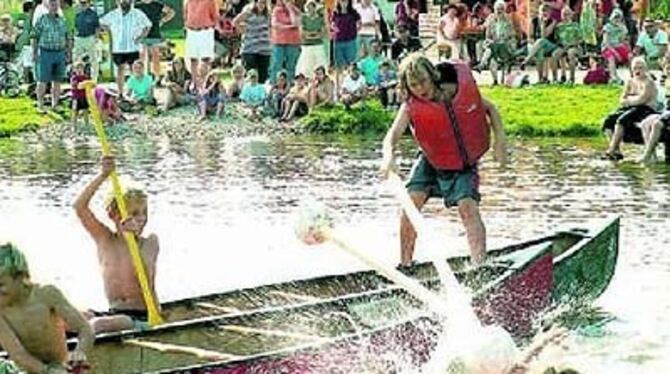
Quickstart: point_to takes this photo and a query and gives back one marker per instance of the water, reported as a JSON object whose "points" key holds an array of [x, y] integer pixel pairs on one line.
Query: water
{"points": [[223, 209]]}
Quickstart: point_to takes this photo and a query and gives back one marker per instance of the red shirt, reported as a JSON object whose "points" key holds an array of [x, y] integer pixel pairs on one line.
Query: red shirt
{"points": [[200, 14], [284, 35], [77, 93]]}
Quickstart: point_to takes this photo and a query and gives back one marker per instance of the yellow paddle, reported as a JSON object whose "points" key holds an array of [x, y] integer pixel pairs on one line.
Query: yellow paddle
{"points": [[149, 300]]}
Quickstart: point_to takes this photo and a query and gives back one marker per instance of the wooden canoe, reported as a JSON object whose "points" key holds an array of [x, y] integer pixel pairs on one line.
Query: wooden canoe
{"points": [[358, 322]]}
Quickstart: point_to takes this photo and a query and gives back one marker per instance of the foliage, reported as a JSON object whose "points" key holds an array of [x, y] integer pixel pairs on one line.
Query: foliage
{"points": [[660, 9], [19, 114], [367, 116]]}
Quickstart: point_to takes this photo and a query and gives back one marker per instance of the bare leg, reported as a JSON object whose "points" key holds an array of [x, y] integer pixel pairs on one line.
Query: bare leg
{"points": [[111, 323], [154, 53], [611, 66], [41, 90], [654, 136], [120, 77], [407, 232], [55, 94], [494, 71], [194, 70], [617, 137], [572, 63], [474, 229]]}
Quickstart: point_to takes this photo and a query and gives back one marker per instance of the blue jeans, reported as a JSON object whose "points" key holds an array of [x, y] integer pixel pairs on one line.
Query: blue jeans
{"points": [[284, 56]]}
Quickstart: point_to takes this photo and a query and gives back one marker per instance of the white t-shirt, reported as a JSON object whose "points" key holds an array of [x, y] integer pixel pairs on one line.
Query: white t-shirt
{"points": [[651, 46], [125, 29], [369, 15], [350, 85]]}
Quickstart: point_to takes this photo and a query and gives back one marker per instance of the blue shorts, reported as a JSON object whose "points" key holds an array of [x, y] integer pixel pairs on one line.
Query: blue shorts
{"points": [[51, 65], [451, 186], [346, 52]]}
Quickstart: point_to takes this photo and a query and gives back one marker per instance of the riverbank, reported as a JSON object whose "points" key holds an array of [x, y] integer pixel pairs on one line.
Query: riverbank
{"points": [[566, 111]]}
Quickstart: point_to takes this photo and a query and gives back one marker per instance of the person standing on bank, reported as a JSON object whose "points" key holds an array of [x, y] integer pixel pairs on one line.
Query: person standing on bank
{"points": [[451, 123], [200, 18], [128, 27], [254, 21], [159, 14], [51, 50], [86, 25], [285, 39]]}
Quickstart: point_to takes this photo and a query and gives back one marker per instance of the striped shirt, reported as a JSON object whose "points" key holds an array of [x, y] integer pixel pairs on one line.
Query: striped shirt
{"points": [[125, 28], [256, 38], [51, 33]]}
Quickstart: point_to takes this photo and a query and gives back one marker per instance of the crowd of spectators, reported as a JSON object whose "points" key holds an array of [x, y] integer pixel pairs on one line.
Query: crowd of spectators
{"points": [[282, 58]]}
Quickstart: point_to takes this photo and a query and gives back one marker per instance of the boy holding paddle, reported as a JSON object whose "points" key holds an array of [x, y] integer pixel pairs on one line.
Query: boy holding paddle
{"points": [[32, 320], [127, 306], [451, 122]]}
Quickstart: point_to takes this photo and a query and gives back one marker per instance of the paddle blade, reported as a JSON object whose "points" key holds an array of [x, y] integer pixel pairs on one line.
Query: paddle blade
{"points": [[312, 221]]}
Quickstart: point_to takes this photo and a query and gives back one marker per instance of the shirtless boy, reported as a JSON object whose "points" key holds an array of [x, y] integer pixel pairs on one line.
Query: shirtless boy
{"points": [[127, 308], [638, 101], [32, 319]]}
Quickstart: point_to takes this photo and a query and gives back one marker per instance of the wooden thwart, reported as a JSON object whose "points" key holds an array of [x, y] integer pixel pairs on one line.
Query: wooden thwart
{"points": [[218, 308], [295, 296], [283, 334], [182, 349]]}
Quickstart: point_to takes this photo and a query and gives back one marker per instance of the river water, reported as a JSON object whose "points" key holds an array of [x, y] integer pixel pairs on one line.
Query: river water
{"points": [[224, 209]]}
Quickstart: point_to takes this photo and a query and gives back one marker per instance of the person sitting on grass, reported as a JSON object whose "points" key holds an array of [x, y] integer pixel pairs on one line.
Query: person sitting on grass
{"points": [[33, 319], [386, 82], [321, 88], [500, 40], [597, 74], [278, 92], [139, 88], [235, 88], [253, 95], [652, 43], [8, 36], [79, 102], [569, 39], [353, 86], [544, 47], [295, 102], [615, 49], [177, 82], [369, 65], [106, 97], [127, 309], [638, 100], [211, 93]]}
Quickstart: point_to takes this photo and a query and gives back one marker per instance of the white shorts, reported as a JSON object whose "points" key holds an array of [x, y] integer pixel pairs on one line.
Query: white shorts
{"points": [[200, 43], [311, 57]]}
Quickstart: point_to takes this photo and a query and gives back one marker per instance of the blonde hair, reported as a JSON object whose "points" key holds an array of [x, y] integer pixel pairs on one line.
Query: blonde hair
{"points": [[129, 194], [639, 60], [415, 68]]}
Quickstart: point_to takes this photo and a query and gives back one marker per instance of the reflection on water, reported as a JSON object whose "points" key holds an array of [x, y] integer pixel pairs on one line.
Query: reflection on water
{"points": [[223, 209]]}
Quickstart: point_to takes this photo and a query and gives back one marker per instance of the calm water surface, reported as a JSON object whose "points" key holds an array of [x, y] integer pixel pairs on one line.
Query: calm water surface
{"points": [[224, 210]]}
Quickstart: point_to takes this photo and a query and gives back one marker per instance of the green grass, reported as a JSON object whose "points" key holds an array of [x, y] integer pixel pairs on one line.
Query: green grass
{"points": [[19, 114], [551, 111], [554, 110]]}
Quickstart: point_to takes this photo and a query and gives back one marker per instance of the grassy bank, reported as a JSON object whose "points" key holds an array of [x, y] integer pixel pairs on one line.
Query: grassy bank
{"points": [[554, 110], [533, 111], [19, 114]]}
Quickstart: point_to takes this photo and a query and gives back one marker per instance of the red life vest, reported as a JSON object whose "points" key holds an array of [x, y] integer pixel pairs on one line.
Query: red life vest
{"points": [[452, 135]]}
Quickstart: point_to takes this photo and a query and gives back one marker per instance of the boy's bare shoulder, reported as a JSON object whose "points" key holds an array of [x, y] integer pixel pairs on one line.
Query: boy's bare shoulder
{"points": [[48, 293]]}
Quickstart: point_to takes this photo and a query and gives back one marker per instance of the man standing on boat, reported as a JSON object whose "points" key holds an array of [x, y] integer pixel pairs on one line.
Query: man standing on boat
{"points": [[451, 122]]}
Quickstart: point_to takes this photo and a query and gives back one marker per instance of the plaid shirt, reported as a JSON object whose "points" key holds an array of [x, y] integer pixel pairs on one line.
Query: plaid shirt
{"points": [[51, 33]]}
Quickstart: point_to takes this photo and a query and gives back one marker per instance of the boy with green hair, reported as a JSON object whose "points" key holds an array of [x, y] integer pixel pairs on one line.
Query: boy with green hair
{"points": [[33, 319]]}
